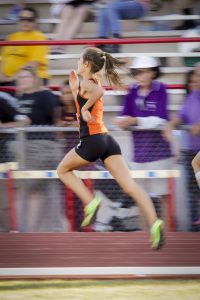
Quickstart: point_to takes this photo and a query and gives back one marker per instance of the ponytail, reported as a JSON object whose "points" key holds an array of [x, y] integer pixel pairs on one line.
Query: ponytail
{"points": [[99, 59], [111, 63]]}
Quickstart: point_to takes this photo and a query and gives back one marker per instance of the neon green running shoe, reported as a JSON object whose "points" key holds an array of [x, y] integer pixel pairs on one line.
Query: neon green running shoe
{"points": [[157, 238], [90, 212]]}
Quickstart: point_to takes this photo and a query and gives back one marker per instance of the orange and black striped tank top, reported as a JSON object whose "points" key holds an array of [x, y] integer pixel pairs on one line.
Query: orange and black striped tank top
{"points": [[96, 125]]}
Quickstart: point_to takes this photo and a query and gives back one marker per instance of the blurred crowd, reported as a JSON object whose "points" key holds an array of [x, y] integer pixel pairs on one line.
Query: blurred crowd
{"points": [[144, 107]]}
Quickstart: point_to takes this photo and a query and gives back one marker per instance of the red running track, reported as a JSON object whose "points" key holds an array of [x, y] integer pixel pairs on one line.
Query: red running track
{"points": [[20, 250]]}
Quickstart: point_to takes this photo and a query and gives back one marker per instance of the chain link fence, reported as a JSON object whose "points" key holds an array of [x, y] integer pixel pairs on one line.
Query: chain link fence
{"points": [[32, 199]]}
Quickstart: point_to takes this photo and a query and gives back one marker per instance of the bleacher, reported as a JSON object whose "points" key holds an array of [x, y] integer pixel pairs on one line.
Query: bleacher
{"points": [[173, 72]]}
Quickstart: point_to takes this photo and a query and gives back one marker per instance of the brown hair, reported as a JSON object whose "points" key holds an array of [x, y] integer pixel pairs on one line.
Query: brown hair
{"points": [[33, 72], [99, 59], [32, 10]]}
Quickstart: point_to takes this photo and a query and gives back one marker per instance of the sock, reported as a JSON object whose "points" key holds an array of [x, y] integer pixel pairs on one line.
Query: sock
{"points": [[197, 175]]}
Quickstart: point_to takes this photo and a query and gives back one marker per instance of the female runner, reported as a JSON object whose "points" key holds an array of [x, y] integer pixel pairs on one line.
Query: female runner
{"points": [[96, 143]]}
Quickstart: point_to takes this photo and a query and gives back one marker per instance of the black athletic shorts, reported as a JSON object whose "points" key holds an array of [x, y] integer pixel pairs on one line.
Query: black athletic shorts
{"points": [[97, 146]]}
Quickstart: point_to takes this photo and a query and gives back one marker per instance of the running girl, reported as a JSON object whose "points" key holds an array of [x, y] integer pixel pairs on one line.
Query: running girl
{"points": [[95, 142]]}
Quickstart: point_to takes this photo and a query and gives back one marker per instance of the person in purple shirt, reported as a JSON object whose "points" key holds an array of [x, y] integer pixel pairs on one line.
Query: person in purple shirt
{"points": [[190, 145], [145, 107]]}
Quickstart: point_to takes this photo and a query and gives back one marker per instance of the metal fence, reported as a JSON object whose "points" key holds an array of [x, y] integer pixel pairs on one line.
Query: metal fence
{"points": [[32, 199]]}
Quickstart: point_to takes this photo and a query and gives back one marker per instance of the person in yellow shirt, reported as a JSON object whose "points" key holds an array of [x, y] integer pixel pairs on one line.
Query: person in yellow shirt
{"points": [[13, 58]]}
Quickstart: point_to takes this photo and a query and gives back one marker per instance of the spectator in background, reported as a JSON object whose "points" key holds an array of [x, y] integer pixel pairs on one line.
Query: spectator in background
{"points": [[67, 107], [192, 82], [37, 103], [16, 57], [190, 144], [197, 72], [8, 118], [112, 13], [67, 116], [13, 15], [145, 106], [72, 16], [41, 206]]}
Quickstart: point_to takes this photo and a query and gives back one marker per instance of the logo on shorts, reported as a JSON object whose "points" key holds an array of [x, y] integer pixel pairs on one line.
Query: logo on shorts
{"points": [[79, 145]]}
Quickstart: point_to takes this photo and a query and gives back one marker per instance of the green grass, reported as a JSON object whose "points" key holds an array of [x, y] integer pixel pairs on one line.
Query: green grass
{"points": [[100, 290]]}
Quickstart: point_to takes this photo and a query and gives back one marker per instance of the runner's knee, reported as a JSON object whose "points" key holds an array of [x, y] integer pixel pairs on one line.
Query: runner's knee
{"points": [[62, 169]]}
